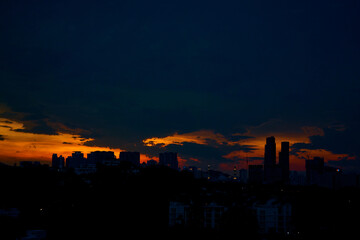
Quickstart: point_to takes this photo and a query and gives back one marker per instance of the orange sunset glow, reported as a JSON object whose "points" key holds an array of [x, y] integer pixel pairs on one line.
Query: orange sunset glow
{"points": [[254, 138], [198, 137], [17, 145], [20, 145]]}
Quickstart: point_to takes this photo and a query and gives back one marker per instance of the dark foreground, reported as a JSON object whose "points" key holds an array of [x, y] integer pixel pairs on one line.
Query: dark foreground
{"points": [[119, 201]]}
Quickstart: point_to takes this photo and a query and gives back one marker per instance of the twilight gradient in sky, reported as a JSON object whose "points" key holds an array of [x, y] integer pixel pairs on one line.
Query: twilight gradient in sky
{"points": [[208, 79]]}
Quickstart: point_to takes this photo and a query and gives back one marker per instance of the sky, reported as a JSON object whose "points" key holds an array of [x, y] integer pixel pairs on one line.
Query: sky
{"points": [[207, 79]]}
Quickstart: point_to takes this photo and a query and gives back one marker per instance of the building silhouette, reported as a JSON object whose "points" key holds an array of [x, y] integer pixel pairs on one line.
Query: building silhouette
{"points": [[205, 215], [270, 152], [58, 162], [179, 214], [274, 172], [271, 172], [317, 173], [169, 159], [284, 162], [273, 215], [132, 157], [101, 157], [212, 213], [76, 160], [270, 168]]}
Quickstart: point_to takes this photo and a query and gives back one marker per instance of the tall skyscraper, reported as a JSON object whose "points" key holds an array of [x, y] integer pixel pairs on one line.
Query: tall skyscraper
{"points": [[133, 157], [270, 152], [169, 159], [270, 167], [284, 161]]}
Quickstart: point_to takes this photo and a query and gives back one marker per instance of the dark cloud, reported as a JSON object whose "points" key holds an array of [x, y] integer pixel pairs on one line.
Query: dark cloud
{"points": [[338, 140], [343, 141], [297, 148], [2, 138], [130, 70], [37, 127], [32, 122], [236, 138], [350, 165]]}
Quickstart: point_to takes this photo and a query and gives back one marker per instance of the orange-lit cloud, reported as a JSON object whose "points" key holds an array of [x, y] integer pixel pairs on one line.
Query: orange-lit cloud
{"points": [[19, 145], [198, 137], [254, 140], [183, 161]]}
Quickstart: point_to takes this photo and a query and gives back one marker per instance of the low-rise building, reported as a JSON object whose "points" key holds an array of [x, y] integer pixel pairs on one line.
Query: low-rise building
{"points": [[205, 215], [273, 216], [178, 214], [212, 213]]}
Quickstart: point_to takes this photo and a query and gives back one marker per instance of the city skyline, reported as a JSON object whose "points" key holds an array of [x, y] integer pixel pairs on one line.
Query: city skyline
{"points": [[274, 162], [66, 144], [196, 119]]}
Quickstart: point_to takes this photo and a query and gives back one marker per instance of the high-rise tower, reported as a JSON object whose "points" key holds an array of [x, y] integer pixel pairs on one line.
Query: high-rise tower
{"points": [[284, 161], [269, 159], [270, 152]]}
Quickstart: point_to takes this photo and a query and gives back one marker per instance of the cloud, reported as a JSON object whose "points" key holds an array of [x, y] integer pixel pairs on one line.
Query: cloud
{"points": [[313, 131], [37, 123], [348, 163], [297, 148], [211, 147], [30, 122], [346, 141], [203, 137], [25, 145], [236, 137], [38, 127], [207, 147], [338, 146], [241, 155]]}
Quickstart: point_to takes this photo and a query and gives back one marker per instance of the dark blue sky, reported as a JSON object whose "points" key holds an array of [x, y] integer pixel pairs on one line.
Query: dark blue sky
{"points": [[125, 71]]}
